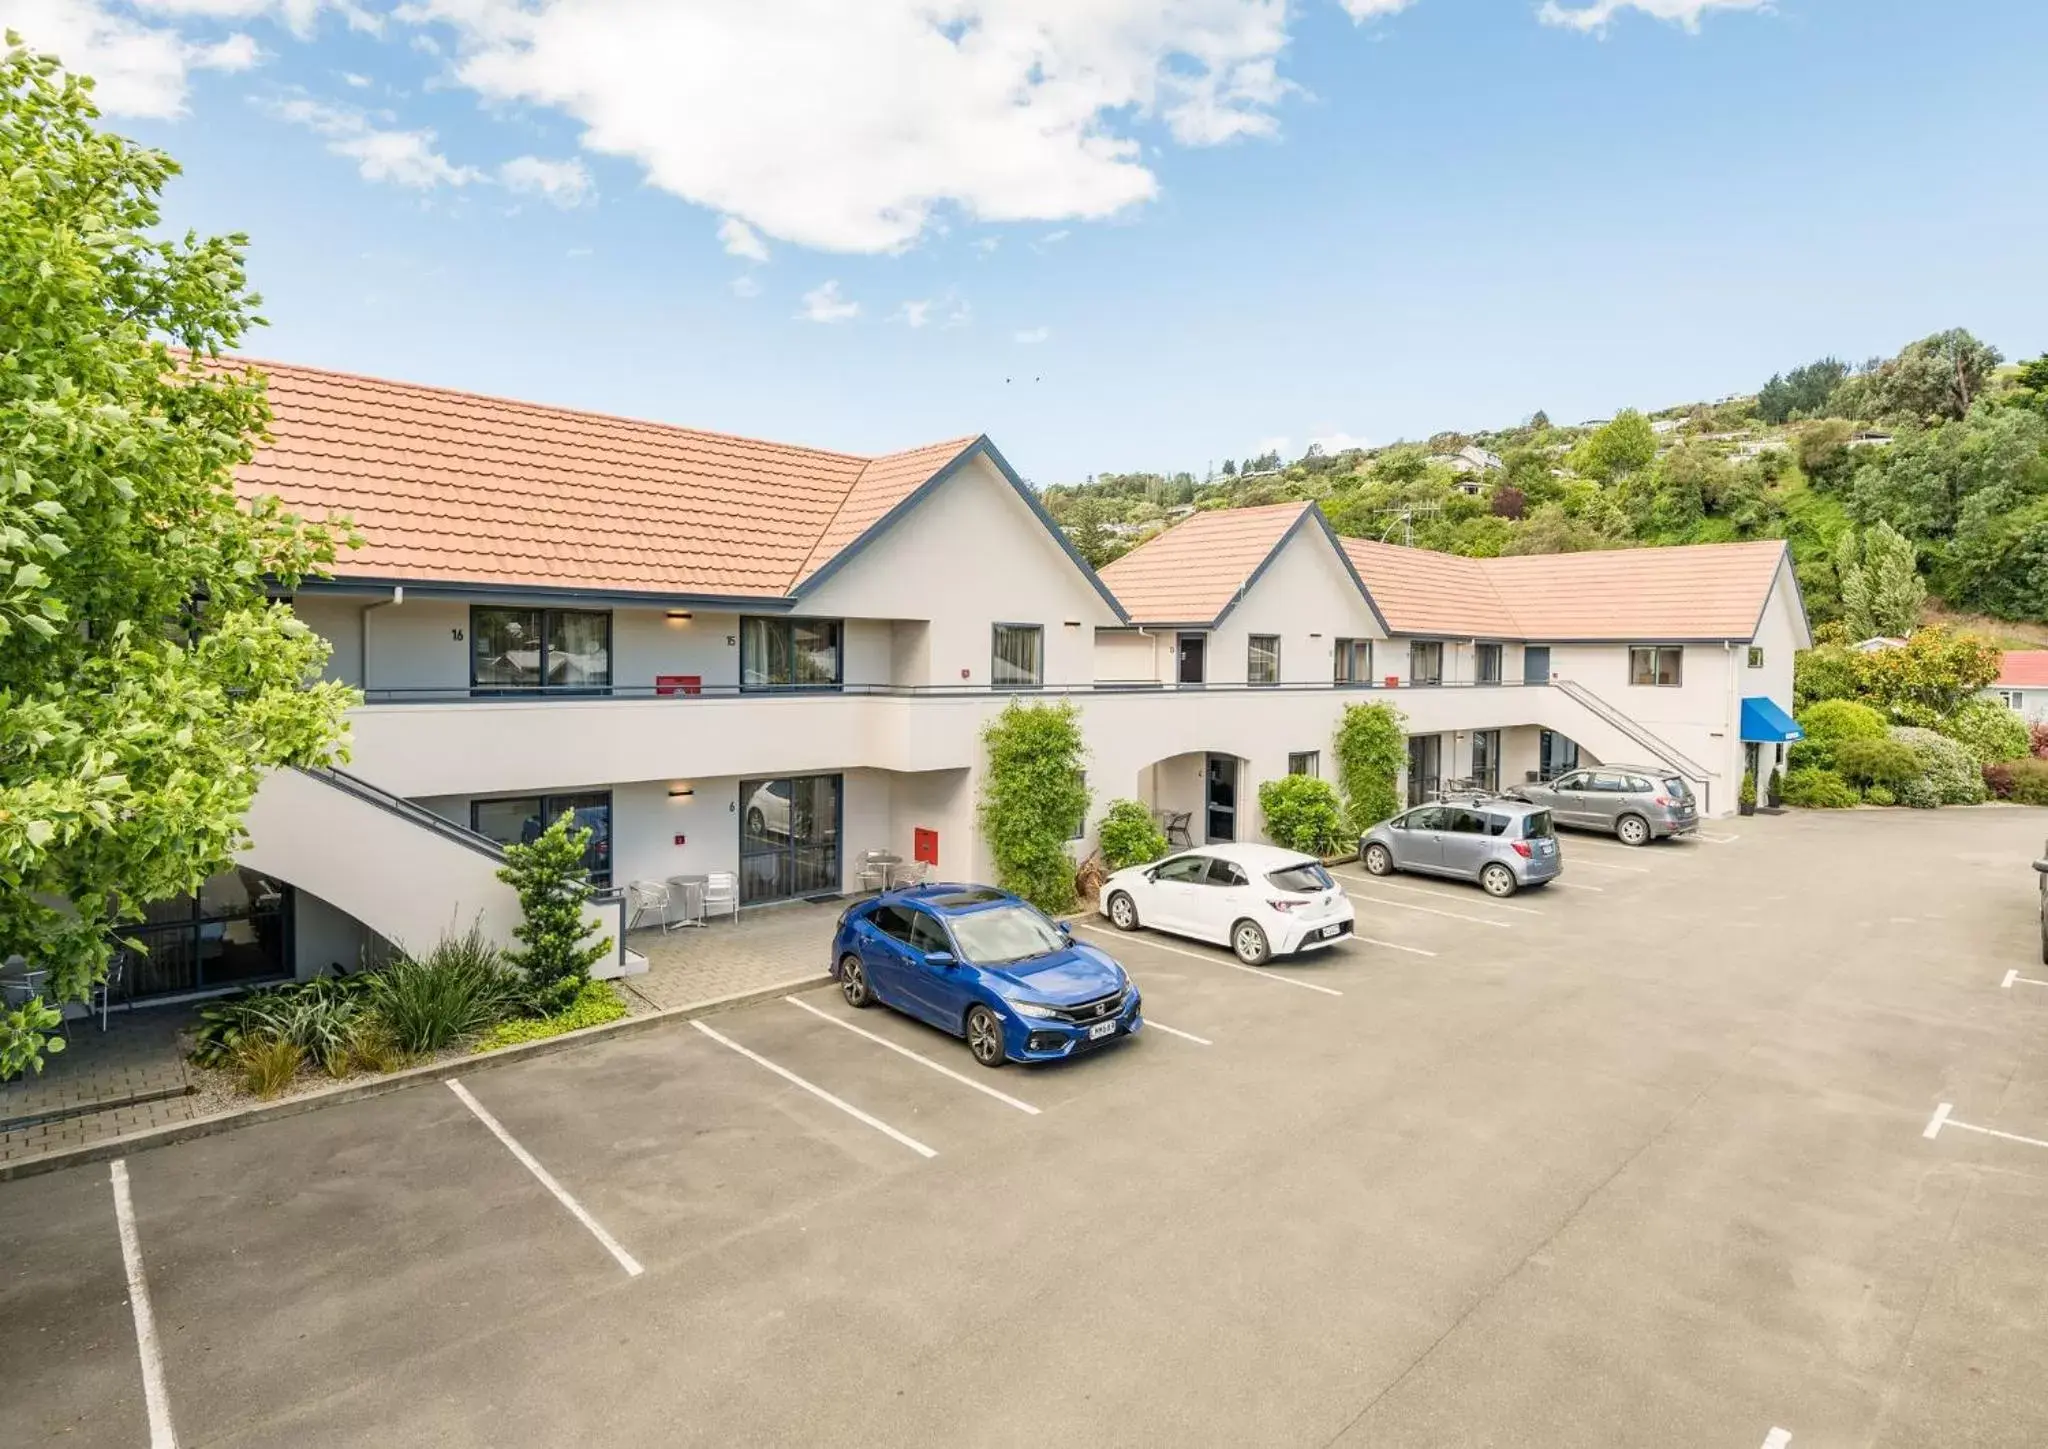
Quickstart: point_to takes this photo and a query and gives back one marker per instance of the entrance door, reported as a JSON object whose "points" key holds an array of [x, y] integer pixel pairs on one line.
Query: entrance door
{"points": [[1536, 664], [1486, 758], [1193, 667], [1222, 797], [789, 838], [1425, 767]]}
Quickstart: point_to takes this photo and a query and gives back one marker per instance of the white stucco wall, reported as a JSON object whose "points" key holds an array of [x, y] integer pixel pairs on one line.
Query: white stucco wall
{"points": [[970, 556], [1306, 597]]}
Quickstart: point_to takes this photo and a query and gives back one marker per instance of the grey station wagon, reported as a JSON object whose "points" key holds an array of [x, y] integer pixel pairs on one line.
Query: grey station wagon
{"points": [[1636, 804], [1502, 844]]}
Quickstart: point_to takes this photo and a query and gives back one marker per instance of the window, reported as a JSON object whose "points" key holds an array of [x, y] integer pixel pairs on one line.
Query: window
{"points": [[2013, 698], [1226, 873], [1464, 822], [1486, 758], [1018, 660], [1606, 782], [1756, 656], [1354, 661], [790, 654], [1425, 662], [893, 922], [1429, 817], [927, 935], [1575, 782], [564, 650], [1186, 869], [1486, 663], [521, 819], [1303, 878], [1003, 935], [1262, 661], [1305, 762], [1657, 664]]}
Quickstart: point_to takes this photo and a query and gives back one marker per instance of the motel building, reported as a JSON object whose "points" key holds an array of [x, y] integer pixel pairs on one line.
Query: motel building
{"points": [[726, 655]]}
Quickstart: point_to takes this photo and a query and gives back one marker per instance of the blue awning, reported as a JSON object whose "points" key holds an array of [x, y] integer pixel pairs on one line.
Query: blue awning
{"points": [[1764, 723]]}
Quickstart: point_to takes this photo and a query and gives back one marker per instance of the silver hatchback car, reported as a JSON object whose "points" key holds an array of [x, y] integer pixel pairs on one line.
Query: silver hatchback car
{"points": [[1502, 844], [1636, 804]]}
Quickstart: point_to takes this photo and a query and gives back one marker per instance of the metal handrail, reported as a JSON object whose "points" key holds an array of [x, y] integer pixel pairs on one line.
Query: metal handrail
{"points": [[1671, 755], [404, 809], [495, 694]]}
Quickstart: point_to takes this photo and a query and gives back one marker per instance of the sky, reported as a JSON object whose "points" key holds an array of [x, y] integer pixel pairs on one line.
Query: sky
{"points": [[1113, 235]]}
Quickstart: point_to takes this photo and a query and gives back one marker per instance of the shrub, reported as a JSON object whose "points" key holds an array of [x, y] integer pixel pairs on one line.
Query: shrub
{"points": [[552, 882], [1129, 835], [1033, 794], [1747, 794], [1988, 729], [2037, 744], [1371, 751], [1302, 814], [459, 989], [1886, 762], [1879, 795], [319, 1017], [1948, 774], [1827, 724], [1814, 789], [596, 1004], [372, 1047], [1826, 671], [268, 1064], [1777, 789], [2024, 781]]}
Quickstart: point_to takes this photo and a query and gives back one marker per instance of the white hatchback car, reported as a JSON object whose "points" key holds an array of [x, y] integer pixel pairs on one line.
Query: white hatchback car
{"points": [[1259, 900]]}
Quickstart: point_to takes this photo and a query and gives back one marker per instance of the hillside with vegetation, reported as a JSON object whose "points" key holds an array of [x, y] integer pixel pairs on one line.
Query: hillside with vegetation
{"points": [[1907, 483]]}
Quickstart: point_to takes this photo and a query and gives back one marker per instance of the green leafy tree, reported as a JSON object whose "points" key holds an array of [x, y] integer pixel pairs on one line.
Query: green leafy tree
{"points": [[1087, 528], [1302, 813], [1882, 592], [1034, 793], [1129, 835], [2030, 386], [1926, 679], [1371, 751], [1824, 454], [552, 880], [1932, 380], [147, 682], [1803, 392], [1988, 729], [1623, 446]]}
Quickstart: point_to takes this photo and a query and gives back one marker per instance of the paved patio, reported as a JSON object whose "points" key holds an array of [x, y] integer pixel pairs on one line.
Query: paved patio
{"points": [[767, 946], [128, 1078]]}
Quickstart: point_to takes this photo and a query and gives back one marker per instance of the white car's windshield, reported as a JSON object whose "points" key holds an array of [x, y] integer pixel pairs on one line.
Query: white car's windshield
{"points": [[1004, 933]]}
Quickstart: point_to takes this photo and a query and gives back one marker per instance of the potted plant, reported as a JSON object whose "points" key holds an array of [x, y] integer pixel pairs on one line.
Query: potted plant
{"points": [[1774, 793], [1745, 802]]}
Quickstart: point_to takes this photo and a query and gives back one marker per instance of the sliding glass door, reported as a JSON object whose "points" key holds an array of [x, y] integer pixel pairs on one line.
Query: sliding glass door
{"points": [[789, 837]]}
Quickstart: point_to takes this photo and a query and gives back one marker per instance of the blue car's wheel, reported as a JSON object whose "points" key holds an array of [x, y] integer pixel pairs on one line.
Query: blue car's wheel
{"points": [[853, 982], [985, 1037]]}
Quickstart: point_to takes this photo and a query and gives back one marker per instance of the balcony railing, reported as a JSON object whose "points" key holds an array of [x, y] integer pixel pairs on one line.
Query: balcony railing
{"points": [[498, 694]]}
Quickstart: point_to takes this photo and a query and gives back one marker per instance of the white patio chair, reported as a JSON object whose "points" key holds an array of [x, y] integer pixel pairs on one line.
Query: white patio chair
{"points": [[722, 893], [643, 896]]}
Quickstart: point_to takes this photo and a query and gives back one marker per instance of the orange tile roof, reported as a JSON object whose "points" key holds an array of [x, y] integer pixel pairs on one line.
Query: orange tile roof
{"points": [[1421, 592], [2024, 669], [454, 487], [1191, 573], [1689, 591]]}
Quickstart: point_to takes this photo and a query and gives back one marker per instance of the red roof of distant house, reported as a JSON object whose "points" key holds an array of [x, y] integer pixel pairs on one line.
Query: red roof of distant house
{"points": [[2024, 669]]}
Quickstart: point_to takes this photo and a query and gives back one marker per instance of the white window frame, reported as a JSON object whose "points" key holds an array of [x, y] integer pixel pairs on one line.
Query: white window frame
{"points": [[1656, 653]]}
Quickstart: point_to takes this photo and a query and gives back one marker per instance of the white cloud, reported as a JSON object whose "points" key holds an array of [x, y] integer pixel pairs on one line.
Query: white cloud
{"points": [[577, 253], [1056, 236], [1031, 336], [987, 245], [137, 69], [745, 285], [1340, 442], [915, 314], [958, 312], [564, 183], [824, 304], [403, 158], [301, 17], [1283, 446], [1596, 14], [770, 110], [1364, 10], [349, 77], [742, 240]]}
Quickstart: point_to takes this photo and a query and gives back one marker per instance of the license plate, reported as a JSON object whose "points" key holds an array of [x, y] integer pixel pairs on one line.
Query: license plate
{"points": [[1329, 931], [1101, 1029], [1546, 847]]}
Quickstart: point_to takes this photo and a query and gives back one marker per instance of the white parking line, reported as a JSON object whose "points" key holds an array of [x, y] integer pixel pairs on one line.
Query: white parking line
{"points": [[819, 1092], [527, 1160], [1571, 859], [2012, 976], [924, 1061], [1718, 840], [1392, 945], [1430, 911], [155, 1397], [1152, 1025], [1777, 1439], [1386, 885], [1941, 1119], [1259, 971], [1572, 885]]}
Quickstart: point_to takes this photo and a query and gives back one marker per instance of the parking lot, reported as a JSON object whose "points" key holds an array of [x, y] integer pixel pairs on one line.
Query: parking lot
{"points": [[1655, 1157]]}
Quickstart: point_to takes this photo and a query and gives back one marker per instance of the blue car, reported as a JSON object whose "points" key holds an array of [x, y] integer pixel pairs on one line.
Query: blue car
{"points": [[984, 965]]}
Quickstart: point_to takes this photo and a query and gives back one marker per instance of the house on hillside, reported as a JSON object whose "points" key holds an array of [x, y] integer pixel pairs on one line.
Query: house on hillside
{"points": [[2022, 684]]}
